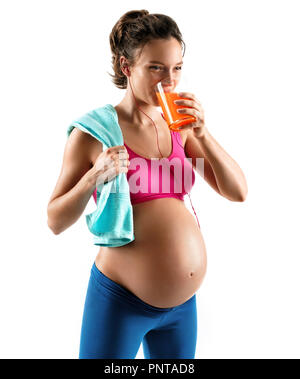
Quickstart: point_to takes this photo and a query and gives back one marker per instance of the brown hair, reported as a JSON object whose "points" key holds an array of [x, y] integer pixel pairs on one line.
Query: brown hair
{"points": [[132, 31]]}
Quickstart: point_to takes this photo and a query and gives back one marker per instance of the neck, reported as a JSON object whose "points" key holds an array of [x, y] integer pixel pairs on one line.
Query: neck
{"points": [[132, 110]]}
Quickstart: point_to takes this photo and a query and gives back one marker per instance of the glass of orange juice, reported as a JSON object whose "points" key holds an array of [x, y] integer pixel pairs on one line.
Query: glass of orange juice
{"points": [[169, 108]]}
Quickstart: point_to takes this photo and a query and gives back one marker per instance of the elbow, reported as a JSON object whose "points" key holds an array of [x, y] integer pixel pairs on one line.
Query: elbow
{"points": [[241, 198], [243, 192], [52, 224], [52, 221], [238, 197], [242, 195], [53, 228]]}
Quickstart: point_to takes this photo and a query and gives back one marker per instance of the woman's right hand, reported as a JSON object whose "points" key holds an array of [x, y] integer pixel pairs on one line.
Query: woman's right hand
{"points": [[110, 163]]}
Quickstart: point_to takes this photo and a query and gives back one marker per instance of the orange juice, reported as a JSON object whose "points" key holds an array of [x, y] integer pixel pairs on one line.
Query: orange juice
{"points": [[169, 108]]}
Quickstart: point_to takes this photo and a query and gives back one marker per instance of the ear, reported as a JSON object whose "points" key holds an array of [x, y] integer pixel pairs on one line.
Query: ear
{"points": [[126, 70], [124, 66]]}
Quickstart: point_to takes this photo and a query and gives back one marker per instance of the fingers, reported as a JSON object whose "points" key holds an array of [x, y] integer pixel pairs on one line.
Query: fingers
{"points": [[114, 156], [190, 111], [190, 103], [120, 157], [187, 94], [188, 99], [118, 147], [186, 127], [111, 162], [118, 151]]}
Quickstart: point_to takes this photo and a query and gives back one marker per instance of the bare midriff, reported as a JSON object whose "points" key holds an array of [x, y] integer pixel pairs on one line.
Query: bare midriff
{"points": [[166, 263]]}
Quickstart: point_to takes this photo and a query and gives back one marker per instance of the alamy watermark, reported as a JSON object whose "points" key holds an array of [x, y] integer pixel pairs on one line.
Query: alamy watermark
{"points": [[177, 170]]}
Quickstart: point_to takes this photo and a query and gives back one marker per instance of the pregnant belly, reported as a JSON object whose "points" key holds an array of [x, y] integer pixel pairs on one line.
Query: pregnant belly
{"points": [[166, 263]]}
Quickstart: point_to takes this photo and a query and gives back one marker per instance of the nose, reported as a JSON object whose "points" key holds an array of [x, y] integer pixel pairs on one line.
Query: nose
{"points": [[168, 79]]}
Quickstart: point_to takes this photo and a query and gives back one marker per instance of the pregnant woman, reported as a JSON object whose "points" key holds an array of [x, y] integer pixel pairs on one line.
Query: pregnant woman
{"points": [[144, 291]]}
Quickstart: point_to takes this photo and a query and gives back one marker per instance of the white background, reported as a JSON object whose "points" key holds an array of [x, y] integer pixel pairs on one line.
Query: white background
{"points": [[243, 61]]}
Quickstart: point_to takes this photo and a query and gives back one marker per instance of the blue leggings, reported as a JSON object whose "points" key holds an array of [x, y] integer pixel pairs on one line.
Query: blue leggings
{"points": [[115, 323]]}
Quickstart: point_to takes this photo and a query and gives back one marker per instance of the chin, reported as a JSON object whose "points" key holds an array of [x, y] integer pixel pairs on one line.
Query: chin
{"points": [[154, 101]]}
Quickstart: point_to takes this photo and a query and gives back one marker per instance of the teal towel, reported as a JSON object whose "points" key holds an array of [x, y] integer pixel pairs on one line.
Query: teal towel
{"points": [[112, 221]]}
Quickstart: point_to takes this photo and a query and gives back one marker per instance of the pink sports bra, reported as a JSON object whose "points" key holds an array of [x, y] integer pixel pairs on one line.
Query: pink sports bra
{"points": [[154, 178]]}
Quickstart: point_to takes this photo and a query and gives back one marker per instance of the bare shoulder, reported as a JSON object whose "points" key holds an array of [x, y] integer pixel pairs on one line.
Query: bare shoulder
{"points": [[78, 158], [89, 145]]}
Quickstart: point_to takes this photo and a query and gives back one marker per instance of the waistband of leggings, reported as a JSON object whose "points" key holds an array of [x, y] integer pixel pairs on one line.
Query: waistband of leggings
{"points": [[112, 285]]}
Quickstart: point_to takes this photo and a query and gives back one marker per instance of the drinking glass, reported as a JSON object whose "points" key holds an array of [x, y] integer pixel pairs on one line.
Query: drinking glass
{"points": [[169, 108]]}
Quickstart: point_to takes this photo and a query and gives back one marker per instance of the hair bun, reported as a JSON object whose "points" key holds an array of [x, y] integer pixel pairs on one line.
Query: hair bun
{"points": [[119, 30], [132, 15]]}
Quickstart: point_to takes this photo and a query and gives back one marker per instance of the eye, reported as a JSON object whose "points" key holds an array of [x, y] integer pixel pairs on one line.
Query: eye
{"points": [[155, 67]]}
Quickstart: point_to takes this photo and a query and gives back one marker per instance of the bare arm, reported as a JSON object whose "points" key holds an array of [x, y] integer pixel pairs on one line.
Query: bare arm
{"points": [[75, 184], [221, 170], [79, 177]]}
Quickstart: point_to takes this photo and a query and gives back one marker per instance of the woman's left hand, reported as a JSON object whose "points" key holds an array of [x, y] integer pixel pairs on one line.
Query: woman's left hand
{"points": [[196, 110]]}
